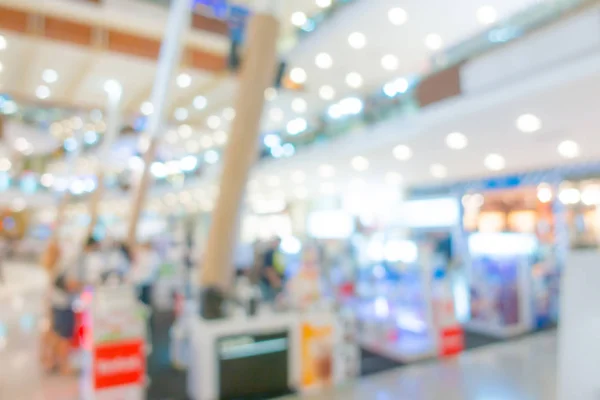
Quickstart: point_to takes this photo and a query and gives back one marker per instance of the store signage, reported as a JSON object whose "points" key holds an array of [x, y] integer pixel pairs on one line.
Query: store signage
{"points": [[316, 355], [452, 341], [119, 364]]}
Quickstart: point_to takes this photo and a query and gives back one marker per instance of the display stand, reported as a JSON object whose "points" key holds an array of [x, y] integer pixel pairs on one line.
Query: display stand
{"points": [[114, 362], [579, 330], [500, 284]]}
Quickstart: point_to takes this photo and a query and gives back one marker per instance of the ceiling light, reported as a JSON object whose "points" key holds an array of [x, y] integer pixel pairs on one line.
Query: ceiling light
{"points": [[172, 136], [326, 92], [272, 140], [3, 43], [211, 157], [298, 75], [456, 141], [544, 193], [487, 15], [185, 131], [113, 87], [42, 92], [433, 41], [395, 87], [354, 80], [76, 122], [323, 3], [323, 61], [301, 193], [357, 40], [327, 188], [192, 146], [206, 142], [494, 162], [351, 106], [438, 171], [569, 196], [568, 149], [271, 94], [326, 171], [188, 163], [146, 108], [276, 114], [47, 180], [229, 114], [181, 114], [296, 126], [298, 177], [200, 102], [158, 169], [220, 137], [390, 62], [213, 122], [298, 18], [397, 16], [529, 123], [49, 76], [591, 195], [273, 181], [360, 163], [184, 80], [402, 152], [299, 105], [393, 179], [5, 164]]}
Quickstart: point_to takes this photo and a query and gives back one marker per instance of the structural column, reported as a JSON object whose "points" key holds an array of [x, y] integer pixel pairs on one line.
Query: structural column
{"points": [[257, 74], [170, 55]]}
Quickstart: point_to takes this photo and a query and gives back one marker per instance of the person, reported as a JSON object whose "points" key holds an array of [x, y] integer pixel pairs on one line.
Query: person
{"points": [[273, 270], [144, 271]]}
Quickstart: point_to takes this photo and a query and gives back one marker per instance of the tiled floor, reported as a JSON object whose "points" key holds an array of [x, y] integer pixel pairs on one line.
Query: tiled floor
{"points": [[519, 370]]}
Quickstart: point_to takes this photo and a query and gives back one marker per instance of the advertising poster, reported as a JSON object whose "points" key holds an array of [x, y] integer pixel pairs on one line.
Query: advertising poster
{"points": [[317, 354]]}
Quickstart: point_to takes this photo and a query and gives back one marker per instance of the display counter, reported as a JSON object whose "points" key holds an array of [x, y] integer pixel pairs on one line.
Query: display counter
{"points": [[271, 354]]}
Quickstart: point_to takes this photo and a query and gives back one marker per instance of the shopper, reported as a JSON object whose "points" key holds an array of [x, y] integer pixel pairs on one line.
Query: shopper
{"points": [[273, 270], [144, 272]]}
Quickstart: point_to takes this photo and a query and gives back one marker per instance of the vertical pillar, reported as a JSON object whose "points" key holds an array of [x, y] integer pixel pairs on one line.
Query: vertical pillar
{"points": [[258, 71], [170, 54], [114, 91]]}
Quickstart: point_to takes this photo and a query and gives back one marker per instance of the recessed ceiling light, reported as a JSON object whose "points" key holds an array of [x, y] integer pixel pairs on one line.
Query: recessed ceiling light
{"points": [[42, 92], [487, 15], [220, 137], [494, 162], [433, 41], [272, 140], [323, 61], [270, 94], [49, 76], [146, 108], [529, 123], [211, 157], [438, 171], [299, 105], [200, 102], [569, 149], [354, 80], [395, 87], [184, 80], [213, 122], [207, 142], [326, 171], [326, 92], [357, 40], [185, 131], [360, 163], [350, 106], [229, 114], [402, 152], [113, 87], [397, 16], [298, 177], [323, 3], [456, 141], [390, 62], [181, 114], [298, 75], [569, 196], [298, 18], [393, 178], [296, 126], [276, 114], [3, 43]]}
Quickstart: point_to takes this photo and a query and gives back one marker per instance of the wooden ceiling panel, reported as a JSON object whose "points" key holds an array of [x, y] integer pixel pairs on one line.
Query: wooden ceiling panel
{"points": [[68, 31], [13, 20], [133, 45]]}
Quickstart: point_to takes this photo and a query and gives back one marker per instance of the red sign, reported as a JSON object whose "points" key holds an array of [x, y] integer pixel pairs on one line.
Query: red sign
{"points": [[119, 364], [452, 341]]}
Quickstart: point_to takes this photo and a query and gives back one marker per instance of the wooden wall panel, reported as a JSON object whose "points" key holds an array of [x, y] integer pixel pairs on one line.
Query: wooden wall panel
{"points": [[206, 61], [13, 20], [439, 86], [211, 25], [68, 31], [133, 45]]}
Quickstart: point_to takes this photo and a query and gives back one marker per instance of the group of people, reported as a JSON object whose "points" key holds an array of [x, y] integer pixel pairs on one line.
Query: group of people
{"points": [[71, 271]]}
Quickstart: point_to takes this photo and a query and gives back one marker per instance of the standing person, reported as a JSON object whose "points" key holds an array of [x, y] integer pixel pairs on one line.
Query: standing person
{"points": [[273, 270], [144, 271]]}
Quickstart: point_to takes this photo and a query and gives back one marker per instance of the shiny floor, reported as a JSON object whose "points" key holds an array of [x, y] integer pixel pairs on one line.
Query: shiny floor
{"points": [[518, 370]]}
